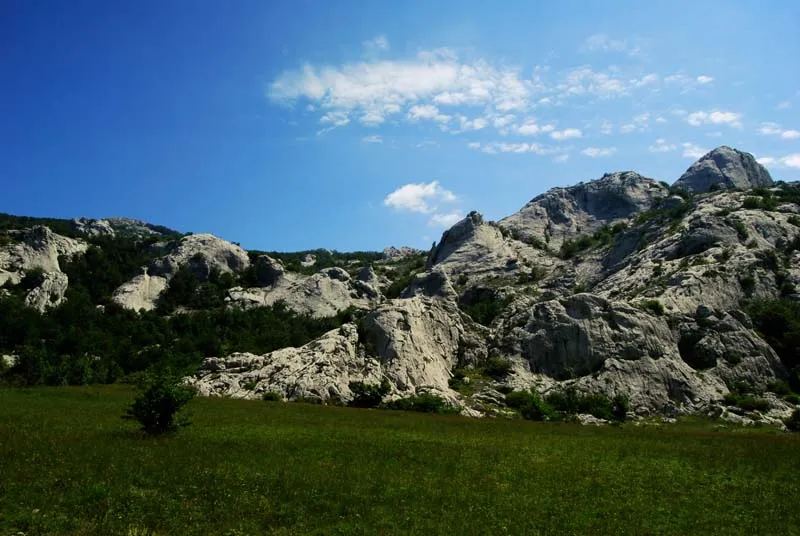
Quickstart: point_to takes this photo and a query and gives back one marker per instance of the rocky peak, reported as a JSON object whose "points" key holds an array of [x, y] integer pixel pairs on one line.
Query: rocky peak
{"points": [[562, 213], [724, 167], [455, 237]]}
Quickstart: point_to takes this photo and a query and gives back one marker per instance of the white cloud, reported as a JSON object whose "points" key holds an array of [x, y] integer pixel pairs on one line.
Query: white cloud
{"points": [[531, 128], [790, 161], [419, 197], [704, 79], [427, 111], [566, 134], [502, 147], [596, 152], [715, 117], [466, 124], [375, 138], [646, 80], [584, 80], [783, 105], [660, 119], [603, 43], [627, 128], [690, 150], [686, 83], [607, 127], [661, 146], [335, 119], [774, 129], [560, 159], [445, 220], [501, 122]]}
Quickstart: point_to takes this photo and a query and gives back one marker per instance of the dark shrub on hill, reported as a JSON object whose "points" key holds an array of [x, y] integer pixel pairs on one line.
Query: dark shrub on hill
{"points": [[367, 395]]}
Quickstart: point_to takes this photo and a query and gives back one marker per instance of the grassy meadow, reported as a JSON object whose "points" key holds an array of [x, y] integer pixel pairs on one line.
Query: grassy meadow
{"points": [[70, 465]]}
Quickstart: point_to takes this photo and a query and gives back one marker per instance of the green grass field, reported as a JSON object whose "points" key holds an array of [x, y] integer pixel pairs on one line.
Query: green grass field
{"points": [[70, 465]]}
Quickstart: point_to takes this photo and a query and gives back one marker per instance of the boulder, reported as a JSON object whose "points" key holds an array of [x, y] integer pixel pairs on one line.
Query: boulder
{"points": [[49, 292], [724, 167], [38, 247]]}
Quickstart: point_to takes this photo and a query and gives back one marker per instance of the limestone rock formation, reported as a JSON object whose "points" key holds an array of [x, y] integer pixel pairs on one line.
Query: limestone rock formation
{"points": [[562, 213], [49, 292], [202, 253], [724, 167], [412, 343], [38, 247], [117, 226], [320, 295]]}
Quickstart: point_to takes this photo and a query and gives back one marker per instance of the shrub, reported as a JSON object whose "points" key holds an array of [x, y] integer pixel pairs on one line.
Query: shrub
{"points": [[517, 399], [746, 402], [570, 402], [497, 367], [620, 405], [369, 395], [423, 403], [530, 405], [793, 422], [741, 229], [159, 403], [654, 306], [272, 396]]}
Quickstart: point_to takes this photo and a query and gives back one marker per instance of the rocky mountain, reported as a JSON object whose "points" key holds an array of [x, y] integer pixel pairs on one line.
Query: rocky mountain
{"points": [[672, 296]]}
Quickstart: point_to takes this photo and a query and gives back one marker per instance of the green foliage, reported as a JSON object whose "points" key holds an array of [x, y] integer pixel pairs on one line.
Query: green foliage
{"points": [[530, 405], [159, 403], [571, 402], [497, 368], [793, 422], [536, 274], [76, 343], [186, 289], [663, 215], [620, 406], [766, 202], [794, 379], [603, 237], [654, 306], [422, 403], [108, 263], [746, 402], [403, 275], [748, 283], [779, 322], [272, 396], [57, 225], [740, 227], [484, 307], [32, 279], [369, 395]]}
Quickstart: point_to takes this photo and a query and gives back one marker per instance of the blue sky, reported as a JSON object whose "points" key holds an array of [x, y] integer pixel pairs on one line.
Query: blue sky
{"points": [[359, 125]]}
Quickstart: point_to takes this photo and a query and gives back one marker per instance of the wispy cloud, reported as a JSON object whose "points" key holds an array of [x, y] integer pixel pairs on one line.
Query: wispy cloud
{"points": [[783, 105], [661, 146], [379, 43], [714, 117], [788, 161], [598, 152], [774, 129], [503, 147], [566, 134], [691, 150], [419, 197], [375, 138], [603, 43]]}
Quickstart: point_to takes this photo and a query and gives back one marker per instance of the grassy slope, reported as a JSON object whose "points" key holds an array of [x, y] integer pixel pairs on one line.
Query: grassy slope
{"points": [[68, 464]]}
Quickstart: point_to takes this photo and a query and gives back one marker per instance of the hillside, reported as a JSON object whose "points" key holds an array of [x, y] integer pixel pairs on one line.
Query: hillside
{"points": [[682, 298]]}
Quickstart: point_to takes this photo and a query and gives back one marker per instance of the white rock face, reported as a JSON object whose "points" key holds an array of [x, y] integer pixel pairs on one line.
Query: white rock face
{"points": [[49, 292], [92, 227], [322, 370], [563, 213], [412, 343], [141, 292], [724, 167], [39, 248], [610, 347], [115, 226], [320, 295], [202, 253]]}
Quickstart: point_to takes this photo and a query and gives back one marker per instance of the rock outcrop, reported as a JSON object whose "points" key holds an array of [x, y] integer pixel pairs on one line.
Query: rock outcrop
{"points": [[49, 291], [202, 253], [724, 167], [319, 295], [563, 213], [118, 226], [412, 343], [38, 247]]}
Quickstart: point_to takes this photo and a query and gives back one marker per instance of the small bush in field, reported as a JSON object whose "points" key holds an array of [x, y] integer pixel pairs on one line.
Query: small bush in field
{"points": [[272, 396], [159, 403]]}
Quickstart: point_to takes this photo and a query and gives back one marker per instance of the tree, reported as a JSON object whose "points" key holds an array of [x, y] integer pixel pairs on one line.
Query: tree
{"points": [[369, 395], [161, 398]]}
